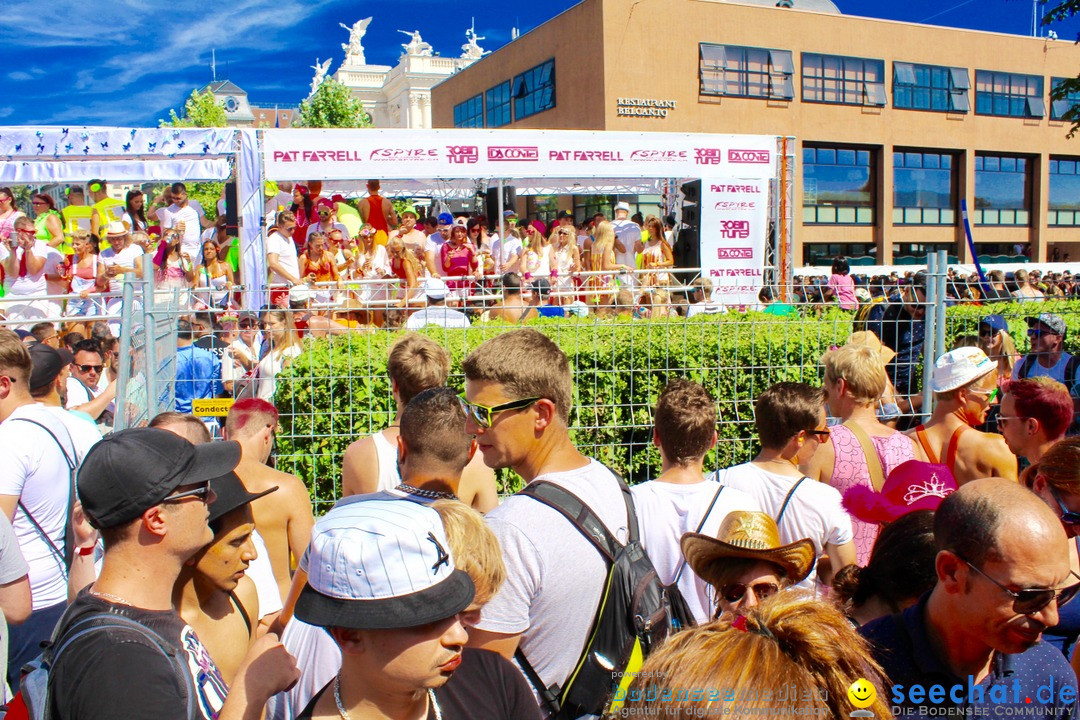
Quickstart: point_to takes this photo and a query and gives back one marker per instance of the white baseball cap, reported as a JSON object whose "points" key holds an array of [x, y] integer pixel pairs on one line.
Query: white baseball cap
{"points": [[381, 564], [959, 367], [622, 206], [434, 288], [299, 294]]}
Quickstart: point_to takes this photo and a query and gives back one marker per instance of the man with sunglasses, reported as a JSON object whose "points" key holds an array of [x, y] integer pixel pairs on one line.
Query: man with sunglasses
{"points": [[1002, 576], [518, 393], [1035, 414], [964, 382], [1046, 332], [83, 394], [147, 491]]}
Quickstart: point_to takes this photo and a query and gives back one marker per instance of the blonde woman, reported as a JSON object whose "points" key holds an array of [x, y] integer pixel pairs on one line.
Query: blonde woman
{"points": [[746, 664], [404, 266], [284, 347], [538, 253], [566, 258], [995, 341], [601, 288]]}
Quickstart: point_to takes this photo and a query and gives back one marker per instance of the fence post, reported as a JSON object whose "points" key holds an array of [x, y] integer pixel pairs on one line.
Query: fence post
{"points": [[929, 333], [150, 346], [120, 418], [939, 308]]}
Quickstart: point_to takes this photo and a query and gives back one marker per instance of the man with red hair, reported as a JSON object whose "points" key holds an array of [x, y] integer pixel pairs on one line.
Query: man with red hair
{"points": [[1035, 413], [283, 518]]}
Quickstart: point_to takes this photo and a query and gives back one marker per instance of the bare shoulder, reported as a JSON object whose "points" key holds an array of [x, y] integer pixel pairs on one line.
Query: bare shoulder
{"points": [[248, 598], [359, 467]]}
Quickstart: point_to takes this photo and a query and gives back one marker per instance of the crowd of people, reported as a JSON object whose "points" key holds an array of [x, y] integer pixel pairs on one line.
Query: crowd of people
{"points": [[846, 551]]}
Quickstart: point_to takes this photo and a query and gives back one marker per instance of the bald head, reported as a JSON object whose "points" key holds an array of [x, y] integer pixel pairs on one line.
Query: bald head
{"points": [[975, 520]]}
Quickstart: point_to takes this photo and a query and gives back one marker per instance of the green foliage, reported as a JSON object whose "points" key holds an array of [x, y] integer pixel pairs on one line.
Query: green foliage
{"points": [[200, 110], [338, 391], [964, 320], [332, 106], [1057, 13]]}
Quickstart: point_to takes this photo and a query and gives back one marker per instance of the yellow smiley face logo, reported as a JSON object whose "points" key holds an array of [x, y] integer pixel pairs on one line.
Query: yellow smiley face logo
{"points": [[861, 693]]}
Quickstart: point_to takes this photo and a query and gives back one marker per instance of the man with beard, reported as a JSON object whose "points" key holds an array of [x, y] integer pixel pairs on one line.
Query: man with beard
{"points": [[974, 639]]}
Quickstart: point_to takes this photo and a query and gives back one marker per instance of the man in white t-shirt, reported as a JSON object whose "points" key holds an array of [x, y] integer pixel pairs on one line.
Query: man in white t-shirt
{"points": [[627, 237], [790, 420], [433, 245], [28, 264], [281, 258], [40, 449], [554, 576], [436, 312], [681, 500], [413, 237], [703, 301], [507, 252], [188, 217]]}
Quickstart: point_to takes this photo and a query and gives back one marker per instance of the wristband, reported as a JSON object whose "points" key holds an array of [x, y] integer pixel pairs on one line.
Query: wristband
{"points": [[84, 551]]}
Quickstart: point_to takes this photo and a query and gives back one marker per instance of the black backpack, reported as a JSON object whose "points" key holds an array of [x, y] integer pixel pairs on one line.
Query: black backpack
{"points": [[635, 613]]}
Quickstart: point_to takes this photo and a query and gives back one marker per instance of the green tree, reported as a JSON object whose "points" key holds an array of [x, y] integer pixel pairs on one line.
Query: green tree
{"points": [[332, 106], [201, 109], [1062, 11]]}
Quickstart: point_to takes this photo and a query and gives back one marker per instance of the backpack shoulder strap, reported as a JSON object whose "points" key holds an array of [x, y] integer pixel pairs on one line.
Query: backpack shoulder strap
{"points": [[578, 513], [920, 435], [1071, 368], [787, 499], [682, 563], [873, 461], [1025, 367], [66, 555]]}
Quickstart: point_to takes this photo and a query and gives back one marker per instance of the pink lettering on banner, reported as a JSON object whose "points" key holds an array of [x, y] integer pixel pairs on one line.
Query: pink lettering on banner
{"points": [[404, 154], [462, 154], [658, 155], [737, 229], [707, 156], [508, 153], [285, 156], [735, 205], [598, 156], [740, 253], [736, 189], [755, 157]]}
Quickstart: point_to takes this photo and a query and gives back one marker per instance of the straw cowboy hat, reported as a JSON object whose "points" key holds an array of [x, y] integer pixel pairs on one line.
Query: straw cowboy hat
{"points": [[747, 535]]}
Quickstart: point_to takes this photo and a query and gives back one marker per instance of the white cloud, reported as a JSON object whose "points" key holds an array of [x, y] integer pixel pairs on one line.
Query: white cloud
{"points": [[6, 111], [20, 75]]}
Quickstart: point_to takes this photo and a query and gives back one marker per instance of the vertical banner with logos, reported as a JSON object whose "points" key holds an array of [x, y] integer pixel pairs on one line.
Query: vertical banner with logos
{"points": [[734, 233]]}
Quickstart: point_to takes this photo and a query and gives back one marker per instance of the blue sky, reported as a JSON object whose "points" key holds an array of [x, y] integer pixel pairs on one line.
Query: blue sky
{"points": [[126, 62]]}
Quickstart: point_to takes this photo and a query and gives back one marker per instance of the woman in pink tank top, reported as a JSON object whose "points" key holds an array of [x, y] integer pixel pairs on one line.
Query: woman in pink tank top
{"points": [[854, 381]]}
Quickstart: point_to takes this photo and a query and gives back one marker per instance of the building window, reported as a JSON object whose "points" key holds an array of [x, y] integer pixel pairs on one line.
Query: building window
{"points": [[843, 80], [838, 186], [1002, 190], [924, 189], [498, 105], [1058, 108], [469, 114], [1009, 94], [930, 87], [1064, 192], [534, 90], [738, 71], [822, 254]]}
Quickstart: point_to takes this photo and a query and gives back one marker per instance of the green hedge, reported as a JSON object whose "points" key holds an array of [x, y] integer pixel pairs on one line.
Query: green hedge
{"points": [[338, 390]]}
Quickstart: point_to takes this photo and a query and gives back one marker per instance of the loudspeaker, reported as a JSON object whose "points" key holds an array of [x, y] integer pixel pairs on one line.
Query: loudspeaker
{"points": [[232, 207], [691, 192], [491, 203], [687, 250]]}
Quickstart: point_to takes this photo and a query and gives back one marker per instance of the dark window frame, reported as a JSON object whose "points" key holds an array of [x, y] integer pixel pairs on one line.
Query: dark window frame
{"points": [[1058, 108], [870, 165], [942, 161], [1005, 94], [535, 87], [995, 165], [467, 115], [845, 75], [945, 88], [770, 71], [497, 100], [1061, 166]]}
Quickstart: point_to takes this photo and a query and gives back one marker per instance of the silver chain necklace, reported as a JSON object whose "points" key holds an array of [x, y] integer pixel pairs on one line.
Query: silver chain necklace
{"points": [[345, 713]]}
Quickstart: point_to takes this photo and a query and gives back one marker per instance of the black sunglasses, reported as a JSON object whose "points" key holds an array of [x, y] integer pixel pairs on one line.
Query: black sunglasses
{"points": [[1031, 600], [89, 368], [484, 415], [1068, 517], [202, 492], [734, 592]]}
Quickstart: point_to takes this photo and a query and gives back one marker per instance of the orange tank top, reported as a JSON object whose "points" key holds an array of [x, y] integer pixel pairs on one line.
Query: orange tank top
{"points": [[375, 216]]}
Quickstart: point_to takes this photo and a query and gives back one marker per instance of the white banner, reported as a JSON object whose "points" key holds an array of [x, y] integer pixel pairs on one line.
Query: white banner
{"points": [[349, 154], [734, 231]]}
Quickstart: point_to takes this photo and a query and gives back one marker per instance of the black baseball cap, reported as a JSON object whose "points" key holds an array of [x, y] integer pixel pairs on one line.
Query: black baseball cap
{"points": [[566, 214], [131, 471], [231, 494], [48, 362]]}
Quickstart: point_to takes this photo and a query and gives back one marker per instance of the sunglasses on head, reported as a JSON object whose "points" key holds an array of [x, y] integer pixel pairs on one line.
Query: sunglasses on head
{"points": [[484, 415], [1031, 600], [90, 368], [734, 592]]}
